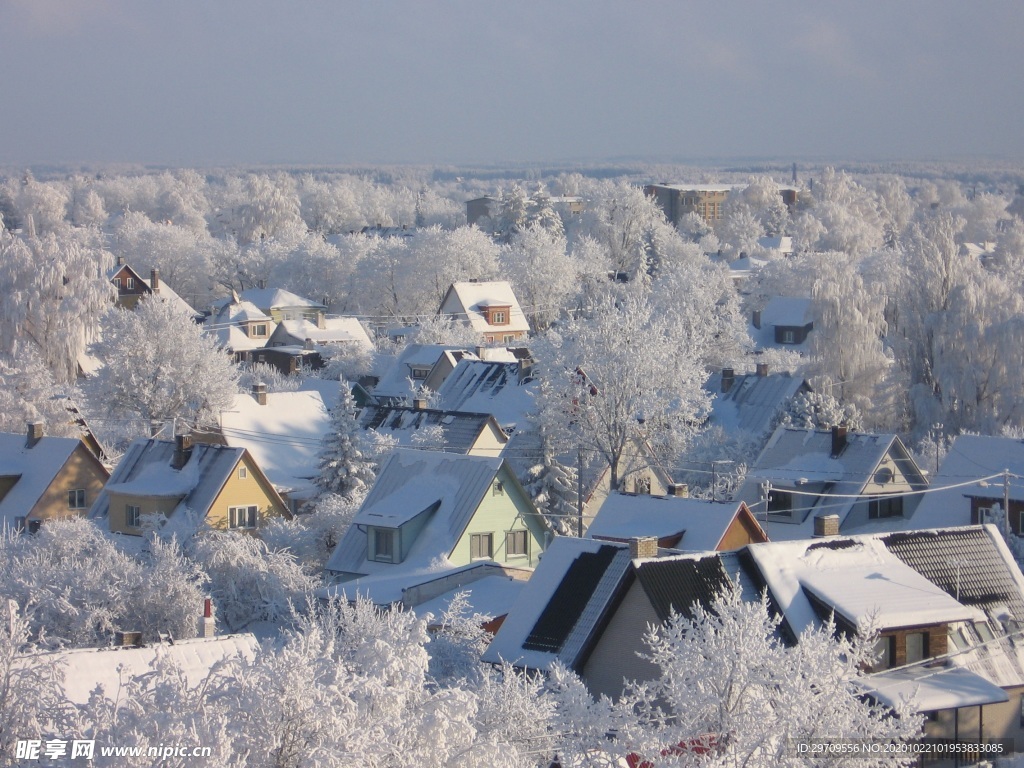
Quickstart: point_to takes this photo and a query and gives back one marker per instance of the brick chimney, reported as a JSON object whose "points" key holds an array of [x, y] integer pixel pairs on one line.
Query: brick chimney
{"points": [[154, 280], [419, 404], [838, 440], [207, 624], [321, 320], [259, 393], [182, 451], [35, 433], [127, 639], [679, 490], [644, 547], [728, 379], [755, 319], [762, 369], [308, 345], [826, 525]]}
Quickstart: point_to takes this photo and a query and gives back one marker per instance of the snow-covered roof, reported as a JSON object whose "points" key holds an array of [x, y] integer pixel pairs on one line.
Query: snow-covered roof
{"points": [[410, 482], [970, 458], [466, 302], [932, 688], [336, 330], [145, 470], [574, 583], [752, 402], [168, 294], [241, 312], [226, 326], [459, 432], [278, 298], [783, 243], [701, 187], [85, 669], [35, 468], [802, 460], [489, 387], [284, 436], [489, 598], [624, 516], [787, 311], [394, 383]]}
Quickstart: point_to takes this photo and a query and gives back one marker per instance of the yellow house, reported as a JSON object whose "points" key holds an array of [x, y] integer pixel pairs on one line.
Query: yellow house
{"points": [[42, 478], [221, 485]]}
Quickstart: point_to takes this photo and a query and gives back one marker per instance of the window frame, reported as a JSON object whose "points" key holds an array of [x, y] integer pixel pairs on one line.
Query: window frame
{"points": [[243, 473], [475, 541], [381, 535], [419, 374], [132, 516], [249, 522], [788, 337], [517, 543], [881, 507], [76, 499]]}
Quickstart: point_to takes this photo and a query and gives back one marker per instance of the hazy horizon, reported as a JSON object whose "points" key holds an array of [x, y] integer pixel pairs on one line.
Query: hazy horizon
{"points": [[191, 84]]}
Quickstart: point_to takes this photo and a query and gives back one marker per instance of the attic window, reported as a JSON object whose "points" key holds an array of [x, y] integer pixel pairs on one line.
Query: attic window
{"points": [[258, 329], [76, 499], [242, 473], [497, 489], [780, 502], [499, 317], [885, 506], [117, 282], [420, 373], [132, 515], [383, 545], [788, 337], [129, 283]]}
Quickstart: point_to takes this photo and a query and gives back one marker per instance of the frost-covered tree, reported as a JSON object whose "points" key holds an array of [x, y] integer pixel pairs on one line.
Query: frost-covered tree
{"points": [[248, 580], [346, 465], [543, 274], [271, 210], [619, 373], [552, 484], [158, 364], [725, 676], [53, 291], [29, 392], [312, 536]]}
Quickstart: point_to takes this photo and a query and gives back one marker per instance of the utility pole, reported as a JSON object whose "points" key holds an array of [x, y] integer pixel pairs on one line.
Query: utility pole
{"points": [[579, 489], [1006, 502]]}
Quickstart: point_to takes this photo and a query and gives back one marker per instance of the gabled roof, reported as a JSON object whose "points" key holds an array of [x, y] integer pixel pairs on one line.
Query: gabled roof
{"points": [[489, 387], [165, 292], [284, 436], [579, 585], [225, 325], [753, 402], [278, 298], [970, 458], [699, 525], [556, 614], [460, 431], [466, 301], [417, 480], [35, 468], [145, 470], [336, 330], [802, 460], [85, 669], [787, 311], [394, 383]]}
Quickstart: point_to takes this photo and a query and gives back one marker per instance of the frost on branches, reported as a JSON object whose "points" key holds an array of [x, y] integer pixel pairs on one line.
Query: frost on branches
{"points": [[726, 677], [346, 466], [159, 364]]}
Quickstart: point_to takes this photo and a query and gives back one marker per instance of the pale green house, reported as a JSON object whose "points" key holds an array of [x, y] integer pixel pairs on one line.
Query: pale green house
{"points": [[430, 511]]}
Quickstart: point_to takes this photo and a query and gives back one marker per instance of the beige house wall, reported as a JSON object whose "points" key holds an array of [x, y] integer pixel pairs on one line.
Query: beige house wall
{"points": [[616, 657], [82, 471], [238, 491]]}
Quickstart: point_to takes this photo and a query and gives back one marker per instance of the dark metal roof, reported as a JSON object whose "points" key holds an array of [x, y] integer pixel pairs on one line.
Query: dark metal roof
{"points": [[965, 563], [677, 584], [569, 600]]}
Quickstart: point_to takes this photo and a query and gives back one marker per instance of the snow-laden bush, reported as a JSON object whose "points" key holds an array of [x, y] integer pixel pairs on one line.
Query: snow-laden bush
{"points": [[249, 581]]}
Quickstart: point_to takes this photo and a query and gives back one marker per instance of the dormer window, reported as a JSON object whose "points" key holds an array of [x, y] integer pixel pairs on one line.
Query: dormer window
{"points": [[129, 283], [383, 545], [420, 373], [497, 315], [258, 330]]}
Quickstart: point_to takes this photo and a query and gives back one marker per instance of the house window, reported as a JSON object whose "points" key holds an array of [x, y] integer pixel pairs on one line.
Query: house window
{"points": [[243, 517], [76, 499], [497, 489], [508, 338], [258, 329], [420, 373], [643, 485], [499, 318], [117, 282], [780, 502], [242, 473], [129, 283], [788, 337], [884, 652], [132, 515], [516, 543], [917, 647], [481, 546], [885, 506], [383, 545]]}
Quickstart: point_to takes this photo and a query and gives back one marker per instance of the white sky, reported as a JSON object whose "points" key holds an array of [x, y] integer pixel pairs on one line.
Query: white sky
{"points": [[184, 82]]}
